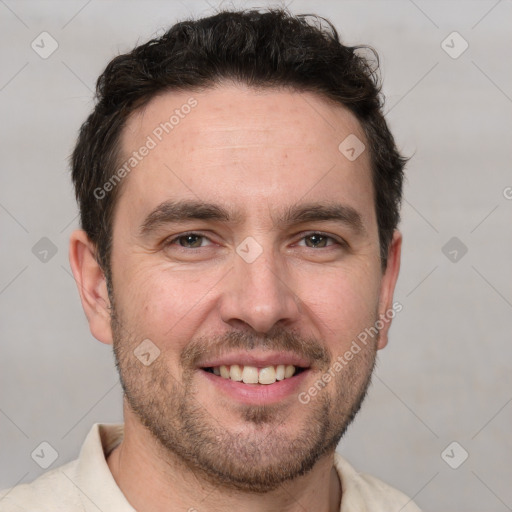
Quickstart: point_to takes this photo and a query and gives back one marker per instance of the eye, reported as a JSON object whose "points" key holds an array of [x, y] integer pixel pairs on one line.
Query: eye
{"points": [[194, 240], [319, 240], [188, 240]]}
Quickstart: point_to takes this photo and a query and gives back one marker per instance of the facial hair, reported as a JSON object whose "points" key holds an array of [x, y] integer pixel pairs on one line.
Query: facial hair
{"points": [[255, 456]]}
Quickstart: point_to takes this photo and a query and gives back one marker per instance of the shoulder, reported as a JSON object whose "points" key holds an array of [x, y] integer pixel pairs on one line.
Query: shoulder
{"points": [[53, 491], [366, 493], [82, 485]]}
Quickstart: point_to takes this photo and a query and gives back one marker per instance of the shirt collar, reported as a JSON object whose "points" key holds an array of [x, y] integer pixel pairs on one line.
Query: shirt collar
{"points": [[99, 490], [93, 478]]}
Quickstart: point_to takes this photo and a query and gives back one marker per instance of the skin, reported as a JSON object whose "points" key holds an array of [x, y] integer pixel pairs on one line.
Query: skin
{"points": [[186, 445]]}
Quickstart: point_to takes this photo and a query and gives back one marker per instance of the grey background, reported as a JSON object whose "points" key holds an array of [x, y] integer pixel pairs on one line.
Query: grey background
{"points": [[446, 374]]}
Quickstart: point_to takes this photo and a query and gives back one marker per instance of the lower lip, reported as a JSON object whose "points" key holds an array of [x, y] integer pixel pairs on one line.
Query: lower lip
{"points": [[257, 394]]}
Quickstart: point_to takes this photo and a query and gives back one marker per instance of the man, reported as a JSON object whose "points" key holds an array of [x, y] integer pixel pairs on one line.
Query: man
{"points": [[239, 193]]}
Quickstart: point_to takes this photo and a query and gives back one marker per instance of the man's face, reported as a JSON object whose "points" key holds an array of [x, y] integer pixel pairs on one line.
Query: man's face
{"points": [[245, 237]]}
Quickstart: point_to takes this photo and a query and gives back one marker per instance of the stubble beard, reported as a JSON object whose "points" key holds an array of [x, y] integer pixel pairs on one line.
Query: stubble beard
{"points": [[257, 456]]}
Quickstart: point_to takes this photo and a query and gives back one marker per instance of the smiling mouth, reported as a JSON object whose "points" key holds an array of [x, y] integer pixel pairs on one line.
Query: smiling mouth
{"points": [[254, 375]]}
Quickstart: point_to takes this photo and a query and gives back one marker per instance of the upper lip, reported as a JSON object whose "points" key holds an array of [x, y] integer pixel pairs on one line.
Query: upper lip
{"points": [[257, 359]]}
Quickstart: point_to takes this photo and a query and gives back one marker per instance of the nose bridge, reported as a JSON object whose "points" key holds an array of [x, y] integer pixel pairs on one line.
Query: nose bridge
{"points": [[258, 294]]}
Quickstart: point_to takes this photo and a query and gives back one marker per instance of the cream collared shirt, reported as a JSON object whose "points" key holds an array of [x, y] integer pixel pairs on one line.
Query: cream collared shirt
{"points": [[87, 485]]}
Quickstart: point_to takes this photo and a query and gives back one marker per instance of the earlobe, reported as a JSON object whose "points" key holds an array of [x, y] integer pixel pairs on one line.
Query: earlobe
{"points": [[389, 279], [92, 285]]}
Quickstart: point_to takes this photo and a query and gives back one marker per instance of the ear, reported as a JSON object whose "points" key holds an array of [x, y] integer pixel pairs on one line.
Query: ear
{"points": [[388, 283], [92, 285]]}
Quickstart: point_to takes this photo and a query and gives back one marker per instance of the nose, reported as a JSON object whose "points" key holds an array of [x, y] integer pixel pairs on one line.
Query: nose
{"points": [[259, 294]]}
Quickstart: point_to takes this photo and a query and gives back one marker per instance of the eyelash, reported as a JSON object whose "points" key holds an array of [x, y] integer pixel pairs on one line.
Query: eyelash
{"points": [[336, 241]]}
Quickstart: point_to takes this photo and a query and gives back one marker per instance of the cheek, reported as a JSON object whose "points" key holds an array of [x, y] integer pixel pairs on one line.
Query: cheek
{"points": [[343, 306], [165, 304]]}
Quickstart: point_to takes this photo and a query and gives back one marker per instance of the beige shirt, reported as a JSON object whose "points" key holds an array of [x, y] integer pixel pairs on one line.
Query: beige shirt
{"points": [[87, 485]]}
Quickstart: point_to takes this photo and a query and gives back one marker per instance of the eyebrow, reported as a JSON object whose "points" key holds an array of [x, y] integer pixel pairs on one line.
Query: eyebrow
{"points": [[185, 210]]}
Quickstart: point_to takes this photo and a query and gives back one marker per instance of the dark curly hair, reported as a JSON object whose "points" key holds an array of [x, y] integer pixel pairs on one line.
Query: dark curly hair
{"points": [[270, 48]]}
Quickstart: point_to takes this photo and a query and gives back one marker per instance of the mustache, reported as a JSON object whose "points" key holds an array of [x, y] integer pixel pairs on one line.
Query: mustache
{"points": [[280, 339]]}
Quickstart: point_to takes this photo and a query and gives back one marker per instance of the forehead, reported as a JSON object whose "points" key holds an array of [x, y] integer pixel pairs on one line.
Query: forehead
{"points": [[244, 147]]}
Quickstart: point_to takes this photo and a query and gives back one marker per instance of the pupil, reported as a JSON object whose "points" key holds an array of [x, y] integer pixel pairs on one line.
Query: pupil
{"points": [[194, 239], [316, 239], [189, 240]]}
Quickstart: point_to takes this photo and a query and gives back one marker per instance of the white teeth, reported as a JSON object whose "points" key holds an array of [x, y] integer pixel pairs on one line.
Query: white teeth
{"points": [[289, 371], [253, 375], [224, 372], [267, 375], [250, 375], [235, 373]]}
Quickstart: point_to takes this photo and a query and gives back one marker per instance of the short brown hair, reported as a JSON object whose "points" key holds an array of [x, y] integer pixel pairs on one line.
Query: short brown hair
{"points": [[272, 48]]}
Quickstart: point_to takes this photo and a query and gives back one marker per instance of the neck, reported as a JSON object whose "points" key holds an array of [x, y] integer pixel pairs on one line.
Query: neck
{"points": [[153, 479]]}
